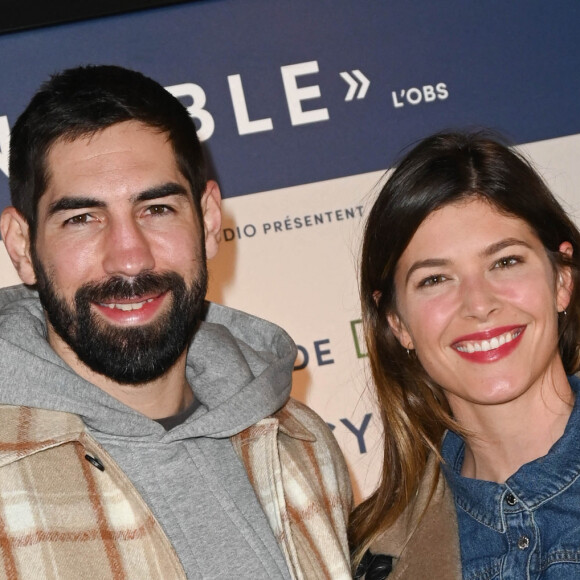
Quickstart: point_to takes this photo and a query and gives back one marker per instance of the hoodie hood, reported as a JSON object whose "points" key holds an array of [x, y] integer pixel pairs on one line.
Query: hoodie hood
{"points": [[239, 368]]}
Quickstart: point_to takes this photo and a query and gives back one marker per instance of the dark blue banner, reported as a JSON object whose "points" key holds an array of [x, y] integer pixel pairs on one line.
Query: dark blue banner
{"points": [[286, 93]]}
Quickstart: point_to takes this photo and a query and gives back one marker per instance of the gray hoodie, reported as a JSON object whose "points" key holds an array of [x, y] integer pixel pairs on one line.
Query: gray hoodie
{"points": [[240, 370]]}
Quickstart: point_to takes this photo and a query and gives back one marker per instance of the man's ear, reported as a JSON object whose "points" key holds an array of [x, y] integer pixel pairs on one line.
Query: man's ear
{"points": [[16, 236], [564, 280], [212, 217], [400, 331]]}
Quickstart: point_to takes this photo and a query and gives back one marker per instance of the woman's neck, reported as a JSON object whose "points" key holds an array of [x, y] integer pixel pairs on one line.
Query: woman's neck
{"points": [[503, 438]]}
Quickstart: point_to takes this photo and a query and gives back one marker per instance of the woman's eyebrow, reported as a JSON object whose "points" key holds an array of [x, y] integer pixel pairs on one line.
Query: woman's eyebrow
{"points": [[428, 263], [489, 251], [502, 245]]}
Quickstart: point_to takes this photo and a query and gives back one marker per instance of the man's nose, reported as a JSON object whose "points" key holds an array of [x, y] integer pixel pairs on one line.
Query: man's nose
{"points": [[127, 249]]}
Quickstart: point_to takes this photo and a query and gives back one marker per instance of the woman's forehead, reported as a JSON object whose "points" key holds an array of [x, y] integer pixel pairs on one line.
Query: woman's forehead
{"points": [[466, 227]]}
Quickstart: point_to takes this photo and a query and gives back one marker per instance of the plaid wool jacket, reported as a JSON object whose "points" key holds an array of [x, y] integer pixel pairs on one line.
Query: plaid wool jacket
{"points": [[67, 511]]}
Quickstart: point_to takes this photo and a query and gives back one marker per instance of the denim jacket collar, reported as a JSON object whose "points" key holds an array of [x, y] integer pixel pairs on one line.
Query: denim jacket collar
{"points": [[534, 483]]}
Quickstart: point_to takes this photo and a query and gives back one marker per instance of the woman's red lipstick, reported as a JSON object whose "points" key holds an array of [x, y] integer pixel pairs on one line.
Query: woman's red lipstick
{"points": [[489, 345]]}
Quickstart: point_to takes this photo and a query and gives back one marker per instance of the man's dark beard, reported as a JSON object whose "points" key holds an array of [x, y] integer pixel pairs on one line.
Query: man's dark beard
{"points": [[127, 355]]}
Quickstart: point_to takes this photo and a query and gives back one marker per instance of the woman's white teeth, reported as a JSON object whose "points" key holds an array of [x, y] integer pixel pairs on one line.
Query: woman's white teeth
{"points": [[485, 345], [128, 306]]}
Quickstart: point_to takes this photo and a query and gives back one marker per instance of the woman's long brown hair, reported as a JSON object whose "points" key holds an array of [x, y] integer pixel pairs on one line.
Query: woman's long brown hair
{"points": [[443, 169]]}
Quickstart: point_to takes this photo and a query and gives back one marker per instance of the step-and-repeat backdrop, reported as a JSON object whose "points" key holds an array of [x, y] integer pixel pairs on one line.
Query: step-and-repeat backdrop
{"points": [[302, 107]]}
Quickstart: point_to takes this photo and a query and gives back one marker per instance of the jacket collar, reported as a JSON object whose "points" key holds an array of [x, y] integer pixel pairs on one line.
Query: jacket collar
{"points": [[290, 425], [424, 541], [24, 431]]}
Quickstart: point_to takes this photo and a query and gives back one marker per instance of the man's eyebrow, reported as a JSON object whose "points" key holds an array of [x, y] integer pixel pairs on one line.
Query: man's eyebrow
{"points": [[73, 202], [164, 190], [502, 245]]}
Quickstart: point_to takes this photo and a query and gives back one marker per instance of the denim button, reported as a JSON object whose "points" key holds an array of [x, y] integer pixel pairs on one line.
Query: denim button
{"points": [[510, 499], [523, 542]]}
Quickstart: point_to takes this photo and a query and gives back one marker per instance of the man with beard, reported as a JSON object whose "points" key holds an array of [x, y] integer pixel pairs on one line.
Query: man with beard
{"points": [[143, 433]]}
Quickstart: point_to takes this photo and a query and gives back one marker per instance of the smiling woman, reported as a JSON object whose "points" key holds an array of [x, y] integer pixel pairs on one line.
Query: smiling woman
{"points": [[469, 284]]}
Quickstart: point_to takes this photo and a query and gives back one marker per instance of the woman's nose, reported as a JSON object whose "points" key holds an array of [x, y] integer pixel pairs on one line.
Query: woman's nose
{"points": [[478, 297]]}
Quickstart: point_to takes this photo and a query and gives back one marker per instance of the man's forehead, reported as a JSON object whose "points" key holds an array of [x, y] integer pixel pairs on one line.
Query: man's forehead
{"points": [[77, 138], [123, 151]]}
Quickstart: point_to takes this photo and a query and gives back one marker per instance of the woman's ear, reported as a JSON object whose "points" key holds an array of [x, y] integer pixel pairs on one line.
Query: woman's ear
{"points": [[400, 331], [564, 280]]}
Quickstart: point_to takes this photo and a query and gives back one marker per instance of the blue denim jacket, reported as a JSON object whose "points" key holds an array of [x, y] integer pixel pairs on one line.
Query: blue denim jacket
{"points": [[529, 527]]}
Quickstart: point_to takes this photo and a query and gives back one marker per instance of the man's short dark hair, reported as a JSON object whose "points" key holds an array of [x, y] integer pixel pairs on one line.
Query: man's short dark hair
{"points": [[84, 100]]}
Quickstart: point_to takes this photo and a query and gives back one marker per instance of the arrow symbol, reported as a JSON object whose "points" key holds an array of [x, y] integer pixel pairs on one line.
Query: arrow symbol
{"points": [[353, 85]]}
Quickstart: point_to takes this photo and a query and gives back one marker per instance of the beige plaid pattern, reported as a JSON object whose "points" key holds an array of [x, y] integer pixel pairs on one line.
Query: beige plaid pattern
{"points": [[301, 480], [62, 518]]}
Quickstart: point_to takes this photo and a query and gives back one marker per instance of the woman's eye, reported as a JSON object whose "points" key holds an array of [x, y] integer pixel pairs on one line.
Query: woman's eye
{"points": [[507, 262], [432, 280]]}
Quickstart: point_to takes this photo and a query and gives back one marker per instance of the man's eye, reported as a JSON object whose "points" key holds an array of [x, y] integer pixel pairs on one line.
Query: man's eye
{"points": [[80, 219], [158, 209]]}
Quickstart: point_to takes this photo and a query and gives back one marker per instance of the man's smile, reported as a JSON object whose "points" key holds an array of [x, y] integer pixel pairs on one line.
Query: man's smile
{"points": [[128, 305], [137, 310]]}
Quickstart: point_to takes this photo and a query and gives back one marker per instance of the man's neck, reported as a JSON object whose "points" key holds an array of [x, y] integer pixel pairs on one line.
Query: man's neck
{"points": [[163, 397]]}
